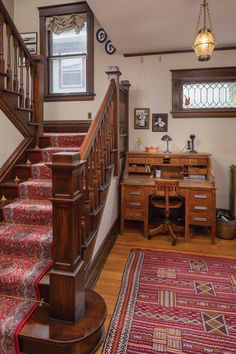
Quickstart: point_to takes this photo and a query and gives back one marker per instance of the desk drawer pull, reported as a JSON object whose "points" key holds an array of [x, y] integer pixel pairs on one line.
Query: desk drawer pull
{"points": [[200, 196], [200, 208], [135, 214], [134, 203], [134, 193], [200, 219]]}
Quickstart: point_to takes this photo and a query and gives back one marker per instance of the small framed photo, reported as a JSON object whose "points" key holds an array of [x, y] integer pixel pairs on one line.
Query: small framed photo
{"points": [[141, 118], [159, 122], [32, 48], [29, 37]]}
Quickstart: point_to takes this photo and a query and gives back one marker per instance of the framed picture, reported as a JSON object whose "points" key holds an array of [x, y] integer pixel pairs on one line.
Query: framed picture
{"points": [[159, 122], [32, 48], [29, 37], [141, 118]]}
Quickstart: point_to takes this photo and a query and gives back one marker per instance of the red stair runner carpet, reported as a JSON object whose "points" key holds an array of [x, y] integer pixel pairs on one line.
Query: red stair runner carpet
{"points": [[28, 211], [26, 242], [41, 171], [35, 189], [175, 303], [66, 140]]}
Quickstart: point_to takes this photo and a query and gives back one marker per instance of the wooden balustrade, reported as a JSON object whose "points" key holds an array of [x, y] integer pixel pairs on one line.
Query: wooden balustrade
{"points": [[18, 72], [79, 191]]}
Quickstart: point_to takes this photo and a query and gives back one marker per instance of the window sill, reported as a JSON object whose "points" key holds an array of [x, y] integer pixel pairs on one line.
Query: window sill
{"points": [[66, 97], [205, 113]]}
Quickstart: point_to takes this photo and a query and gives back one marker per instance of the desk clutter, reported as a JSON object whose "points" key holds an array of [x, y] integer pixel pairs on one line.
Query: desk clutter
{"points": [[163, 165], [196, 187]]}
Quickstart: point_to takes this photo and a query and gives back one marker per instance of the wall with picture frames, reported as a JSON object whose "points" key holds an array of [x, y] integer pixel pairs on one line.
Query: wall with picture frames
{"points": [[150, 91]]}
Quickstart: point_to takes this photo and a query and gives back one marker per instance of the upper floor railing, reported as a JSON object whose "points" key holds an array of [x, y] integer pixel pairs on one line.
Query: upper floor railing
{"points": [[19, 76]]}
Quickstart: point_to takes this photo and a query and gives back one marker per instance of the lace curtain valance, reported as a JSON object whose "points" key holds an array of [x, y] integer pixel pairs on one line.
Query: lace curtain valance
{"points": [[59, 24]]}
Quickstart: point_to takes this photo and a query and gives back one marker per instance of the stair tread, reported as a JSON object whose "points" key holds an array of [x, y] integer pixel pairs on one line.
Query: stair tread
{"points": [[9, 184], [15, 267], [23, 239], [29, 211], [63, 134]]}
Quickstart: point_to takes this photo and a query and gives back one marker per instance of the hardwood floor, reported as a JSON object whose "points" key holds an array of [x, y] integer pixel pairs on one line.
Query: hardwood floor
{"points": [[108, 284]]}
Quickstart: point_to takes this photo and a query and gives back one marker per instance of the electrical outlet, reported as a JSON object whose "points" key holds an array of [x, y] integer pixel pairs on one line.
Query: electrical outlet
{"points": [[89, 115]]}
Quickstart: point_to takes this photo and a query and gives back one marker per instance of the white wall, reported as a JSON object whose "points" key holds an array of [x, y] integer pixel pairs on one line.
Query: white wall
{"points": [[9, 4], [110, 213], [151, 87], [9, 140]]}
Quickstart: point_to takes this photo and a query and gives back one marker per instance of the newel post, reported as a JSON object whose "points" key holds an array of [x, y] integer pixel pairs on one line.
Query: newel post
{"points": [[38, 90], [114, 73], [67, 296]]}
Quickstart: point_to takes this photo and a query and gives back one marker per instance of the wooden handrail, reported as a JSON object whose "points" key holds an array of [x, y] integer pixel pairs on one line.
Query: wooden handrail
{"points": [[16, 33], [21, 79], [96, 123]]}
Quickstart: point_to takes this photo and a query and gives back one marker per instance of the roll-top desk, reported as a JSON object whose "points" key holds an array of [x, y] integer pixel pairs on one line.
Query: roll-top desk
{"points": [[196, 185]]}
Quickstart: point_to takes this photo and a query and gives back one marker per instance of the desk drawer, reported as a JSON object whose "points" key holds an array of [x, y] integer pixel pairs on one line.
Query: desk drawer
{"points": [[133, 192], [200, 207], [199, 196], [200, 218], [134, 203], [134, 214]]}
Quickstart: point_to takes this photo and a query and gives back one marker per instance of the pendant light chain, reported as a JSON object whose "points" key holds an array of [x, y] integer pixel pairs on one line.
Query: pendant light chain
{"points": [[209, 18], [199, 18]]}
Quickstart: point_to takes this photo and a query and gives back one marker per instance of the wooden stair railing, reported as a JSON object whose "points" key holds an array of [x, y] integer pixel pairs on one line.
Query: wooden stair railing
{"points": [[20, 79], [80, 184]]}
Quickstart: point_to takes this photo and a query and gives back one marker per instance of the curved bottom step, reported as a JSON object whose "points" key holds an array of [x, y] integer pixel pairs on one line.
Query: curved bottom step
{"points": [[43, 335]]}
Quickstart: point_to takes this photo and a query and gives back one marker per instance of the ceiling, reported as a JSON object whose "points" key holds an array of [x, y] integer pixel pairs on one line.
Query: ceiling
{"points": [[137, 26]]}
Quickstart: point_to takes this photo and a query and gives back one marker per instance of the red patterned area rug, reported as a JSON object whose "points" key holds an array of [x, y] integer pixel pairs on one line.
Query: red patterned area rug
{"points": [[175, 303]]}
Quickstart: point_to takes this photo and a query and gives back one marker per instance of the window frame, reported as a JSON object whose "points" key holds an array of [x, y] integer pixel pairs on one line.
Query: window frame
{"points": [[187, 76], [45, 36]]}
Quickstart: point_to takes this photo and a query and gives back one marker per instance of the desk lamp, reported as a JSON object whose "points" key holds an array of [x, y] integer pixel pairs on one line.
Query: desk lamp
{"points": [[166, 138]]}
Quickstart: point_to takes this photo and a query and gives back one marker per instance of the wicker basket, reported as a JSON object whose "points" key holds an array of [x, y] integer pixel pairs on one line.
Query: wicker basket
{"points": [[152, 149], [226, 229]]}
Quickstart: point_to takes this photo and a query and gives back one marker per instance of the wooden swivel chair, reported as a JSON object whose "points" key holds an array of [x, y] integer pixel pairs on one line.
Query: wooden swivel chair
{"points": [[169, 189]]}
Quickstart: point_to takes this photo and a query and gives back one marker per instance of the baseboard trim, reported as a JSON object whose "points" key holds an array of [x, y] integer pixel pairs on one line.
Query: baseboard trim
{"points": [[103, 252]]}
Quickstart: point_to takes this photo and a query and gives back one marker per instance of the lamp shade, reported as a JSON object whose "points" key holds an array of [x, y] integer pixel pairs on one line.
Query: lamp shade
{"points": [[204, 44], [166, 138]]}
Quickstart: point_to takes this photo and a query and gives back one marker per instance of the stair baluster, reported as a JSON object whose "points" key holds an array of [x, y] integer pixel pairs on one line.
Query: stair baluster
{"points": [[22, 90], [27, 97], [2, 61], [15, 80], [9, 69]]}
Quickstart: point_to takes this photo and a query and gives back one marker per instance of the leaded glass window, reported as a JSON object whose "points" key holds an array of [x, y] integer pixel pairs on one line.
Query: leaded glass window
{"points": [[209, 95], [209, 92]]}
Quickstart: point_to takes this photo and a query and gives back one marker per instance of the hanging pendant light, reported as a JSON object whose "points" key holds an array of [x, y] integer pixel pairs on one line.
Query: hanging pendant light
{"points": [[204, 43]]}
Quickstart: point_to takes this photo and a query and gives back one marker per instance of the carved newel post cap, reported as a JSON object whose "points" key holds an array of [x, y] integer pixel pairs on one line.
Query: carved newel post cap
{"points": [[65, 157], [113, 71]]}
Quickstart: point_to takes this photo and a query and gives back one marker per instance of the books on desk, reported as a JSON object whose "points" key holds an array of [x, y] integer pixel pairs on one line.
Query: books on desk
{"points": [[196, 177]]}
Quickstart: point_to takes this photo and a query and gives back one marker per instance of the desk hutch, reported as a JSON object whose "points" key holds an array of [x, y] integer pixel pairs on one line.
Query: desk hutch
{"points": [[196, 184]]}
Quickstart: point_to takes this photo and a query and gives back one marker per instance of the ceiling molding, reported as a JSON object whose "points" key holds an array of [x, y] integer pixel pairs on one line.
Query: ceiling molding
{"points": [[172, 52]]}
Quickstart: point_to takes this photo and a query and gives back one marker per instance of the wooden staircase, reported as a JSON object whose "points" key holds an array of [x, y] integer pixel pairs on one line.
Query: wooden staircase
{"points": [[72, 318]]}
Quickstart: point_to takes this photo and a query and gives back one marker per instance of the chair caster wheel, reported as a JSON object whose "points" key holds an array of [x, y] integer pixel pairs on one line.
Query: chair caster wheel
{"points": [[174, 243]]}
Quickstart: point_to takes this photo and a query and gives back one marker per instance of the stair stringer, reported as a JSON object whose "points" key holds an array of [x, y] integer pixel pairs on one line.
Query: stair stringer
{"points": [[19, 119]]}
